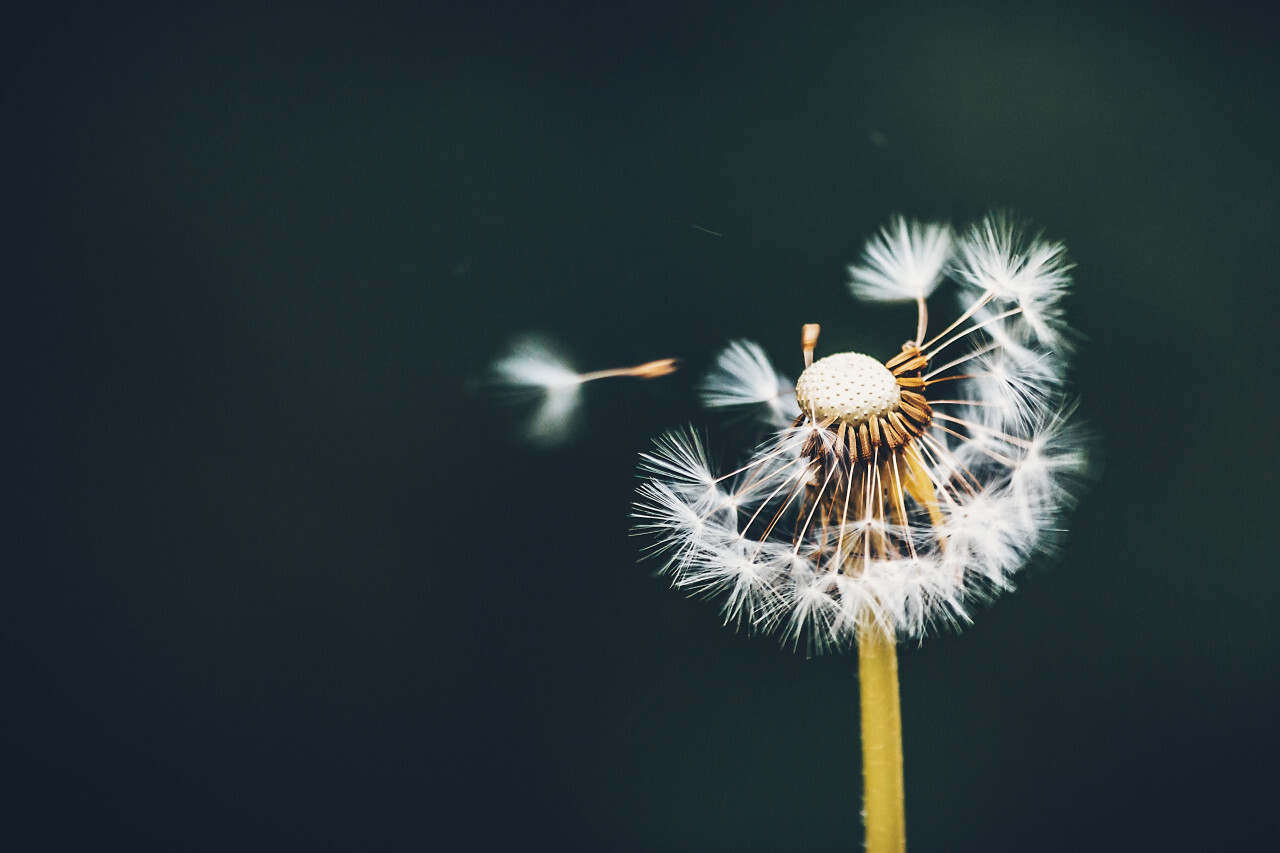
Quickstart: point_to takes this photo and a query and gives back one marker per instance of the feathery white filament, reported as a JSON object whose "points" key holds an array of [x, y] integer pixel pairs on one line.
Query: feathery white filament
{"points": [[743, 376], [997, 255], [533, 369], [904, 261]]}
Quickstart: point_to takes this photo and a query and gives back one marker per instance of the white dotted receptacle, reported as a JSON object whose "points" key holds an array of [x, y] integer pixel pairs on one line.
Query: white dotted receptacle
{"points": [[849, 387]]}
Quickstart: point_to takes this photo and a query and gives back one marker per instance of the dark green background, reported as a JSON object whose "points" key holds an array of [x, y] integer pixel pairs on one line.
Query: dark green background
{"points": [[281, 582]]}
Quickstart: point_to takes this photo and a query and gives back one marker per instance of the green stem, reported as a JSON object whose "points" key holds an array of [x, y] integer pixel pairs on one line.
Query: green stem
{"points": [[882, 799]]}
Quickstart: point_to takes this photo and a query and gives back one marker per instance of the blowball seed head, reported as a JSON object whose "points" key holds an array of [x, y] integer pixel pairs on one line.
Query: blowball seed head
{"points": [[902, 492], [847, 387]]}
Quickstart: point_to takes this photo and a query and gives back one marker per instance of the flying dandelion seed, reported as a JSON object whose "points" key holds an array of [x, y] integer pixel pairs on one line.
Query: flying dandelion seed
{"points": [[891, 492], [534, 370]]}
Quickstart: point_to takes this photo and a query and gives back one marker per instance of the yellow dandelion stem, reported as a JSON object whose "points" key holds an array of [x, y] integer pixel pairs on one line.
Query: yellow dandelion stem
{"points": [[882, 795]]}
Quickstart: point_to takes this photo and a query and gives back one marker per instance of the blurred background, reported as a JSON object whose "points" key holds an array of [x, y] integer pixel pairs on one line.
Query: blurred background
{"points": [[282, 579]]}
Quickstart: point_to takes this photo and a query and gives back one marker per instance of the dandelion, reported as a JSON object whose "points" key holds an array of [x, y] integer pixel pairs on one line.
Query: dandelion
{"points": [[535, 370], [900, 491]]}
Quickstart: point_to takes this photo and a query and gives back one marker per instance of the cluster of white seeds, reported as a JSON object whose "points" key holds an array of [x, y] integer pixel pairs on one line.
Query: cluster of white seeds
{"points": [[942, 509]]}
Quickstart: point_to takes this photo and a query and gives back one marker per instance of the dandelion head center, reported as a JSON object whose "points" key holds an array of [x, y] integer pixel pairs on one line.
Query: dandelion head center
{"points": [[867, 408], [849, 388]]}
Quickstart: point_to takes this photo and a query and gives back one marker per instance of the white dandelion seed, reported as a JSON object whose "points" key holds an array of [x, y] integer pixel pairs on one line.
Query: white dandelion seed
{"points": [[999, 257], [900, 491], [535, 370], [743, 377], [903, 262]]}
